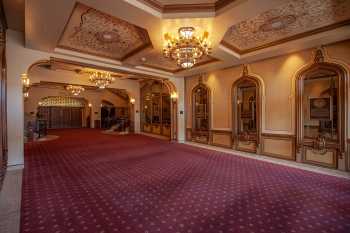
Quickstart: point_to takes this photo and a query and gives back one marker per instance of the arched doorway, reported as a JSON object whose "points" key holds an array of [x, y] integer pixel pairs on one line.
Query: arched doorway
{"points": [[200, 113], [156, 109], [59, 112], [321, 106], [246, 113]]}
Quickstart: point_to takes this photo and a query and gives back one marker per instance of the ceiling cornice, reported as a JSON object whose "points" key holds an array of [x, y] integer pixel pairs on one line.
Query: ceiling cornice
{"points": [[186, 8]]}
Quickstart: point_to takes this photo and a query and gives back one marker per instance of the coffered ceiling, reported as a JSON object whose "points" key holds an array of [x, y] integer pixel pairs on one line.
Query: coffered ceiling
{"points": [[153, 59], [129, 33], [93, 32], [171, 6], [290, 21]]}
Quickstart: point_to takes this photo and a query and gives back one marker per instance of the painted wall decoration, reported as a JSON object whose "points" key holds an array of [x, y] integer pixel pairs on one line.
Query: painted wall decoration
{"points": [[93, 32], [292, 20]]}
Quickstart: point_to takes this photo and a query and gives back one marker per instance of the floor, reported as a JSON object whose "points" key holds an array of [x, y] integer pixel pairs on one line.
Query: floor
{"points": [[86, 181], [10, 199]]}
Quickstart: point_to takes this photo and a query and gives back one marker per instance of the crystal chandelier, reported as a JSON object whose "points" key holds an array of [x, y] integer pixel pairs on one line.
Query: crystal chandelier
{"points": [[186, 48], [75, 90], [101, 79]]}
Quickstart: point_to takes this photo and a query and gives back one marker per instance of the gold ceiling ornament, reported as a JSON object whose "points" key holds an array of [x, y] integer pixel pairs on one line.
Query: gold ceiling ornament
{"points": [[245, 70], [319, 56], [101, 78], [186, 48], [75, 90]]}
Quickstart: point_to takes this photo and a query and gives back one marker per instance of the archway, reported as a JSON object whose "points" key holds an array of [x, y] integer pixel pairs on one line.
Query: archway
{"points": [[158, 108], [246, 112], [321, 110], [200, 113]]}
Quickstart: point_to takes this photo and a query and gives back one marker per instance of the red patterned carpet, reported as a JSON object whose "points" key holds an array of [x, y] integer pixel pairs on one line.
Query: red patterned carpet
{"points": [[90, 182]]}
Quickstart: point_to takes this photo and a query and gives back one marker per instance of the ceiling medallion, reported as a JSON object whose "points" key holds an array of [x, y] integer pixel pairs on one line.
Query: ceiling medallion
{"points": [[186, 48], [101, 79], [75, 90], [108, 36], [278, 23]]}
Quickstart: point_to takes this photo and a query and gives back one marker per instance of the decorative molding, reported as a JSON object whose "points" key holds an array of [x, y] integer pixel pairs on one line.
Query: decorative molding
{"points": [[288, 22], [188, 7], [96, 33], [280, 136], [285, 137], [319, 57], [343, 81], [155, 60], [235, 135]]}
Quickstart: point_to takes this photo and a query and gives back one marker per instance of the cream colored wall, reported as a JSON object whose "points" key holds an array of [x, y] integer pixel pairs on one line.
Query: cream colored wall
{"points": [[20, 58], [95, 98], [277, 76]]}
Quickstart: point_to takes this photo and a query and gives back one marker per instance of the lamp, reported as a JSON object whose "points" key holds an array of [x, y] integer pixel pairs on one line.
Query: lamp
{"points": [[187, 48], [174, 95], [132, 101], [25, 85], [75, 90], [101, 79]]}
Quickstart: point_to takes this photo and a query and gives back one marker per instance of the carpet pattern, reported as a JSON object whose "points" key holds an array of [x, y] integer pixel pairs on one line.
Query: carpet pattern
{"points": [[87, 181]]}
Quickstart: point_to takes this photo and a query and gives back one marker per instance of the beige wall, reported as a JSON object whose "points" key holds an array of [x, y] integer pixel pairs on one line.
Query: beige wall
{"points": [[93, 97], [20, 58], [277, 76]]}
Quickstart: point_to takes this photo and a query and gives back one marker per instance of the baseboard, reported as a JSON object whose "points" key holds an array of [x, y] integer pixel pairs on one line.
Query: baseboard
{"points": [[15, 167]]}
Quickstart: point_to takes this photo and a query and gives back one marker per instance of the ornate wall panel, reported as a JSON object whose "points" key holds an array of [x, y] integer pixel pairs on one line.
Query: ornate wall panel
{"points": [[321, 110], [156, 108], [94, 32], [293, 20], [221, 138], [280, 146]]}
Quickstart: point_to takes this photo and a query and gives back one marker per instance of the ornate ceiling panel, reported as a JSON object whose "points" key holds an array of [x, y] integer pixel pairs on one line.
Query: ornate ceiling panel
{"points": [[294, 20], [152, 59], [93, 32]]}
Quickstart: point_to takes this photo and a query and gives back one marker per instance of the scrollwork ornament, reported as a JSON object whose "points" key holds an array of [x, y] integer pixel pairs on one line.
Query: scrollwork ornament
{"points": [[319, 145]]}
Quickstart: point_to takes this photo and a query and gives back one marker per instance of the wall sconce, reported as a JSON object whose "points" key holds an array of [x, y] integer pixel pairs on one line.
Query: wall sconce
{"points": [[25, 85], [90, 105], [174, 95], [25, 80], [132, 101]]}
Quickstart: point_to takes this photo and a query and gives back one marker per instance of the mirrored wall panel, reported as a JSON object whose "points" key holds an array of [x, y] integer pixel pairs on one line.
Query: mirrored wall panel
{"points": [[200, 103], [245, 112], [156, 108], [321, 114]]}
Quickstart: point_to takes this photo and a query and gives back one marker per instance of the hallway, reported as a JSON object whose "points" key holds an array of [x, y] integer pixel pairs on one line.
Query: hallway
{"points": [[86, 181]]}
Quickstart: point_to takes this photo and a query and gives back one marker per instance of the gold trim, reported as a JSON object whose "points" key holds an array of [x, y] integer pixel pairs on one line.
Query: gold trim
{"points": [[285, 137], [220, 132], [177, 8], [212, 60], [284, 40], [143, 33], [97, 67], [333, 165]]}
